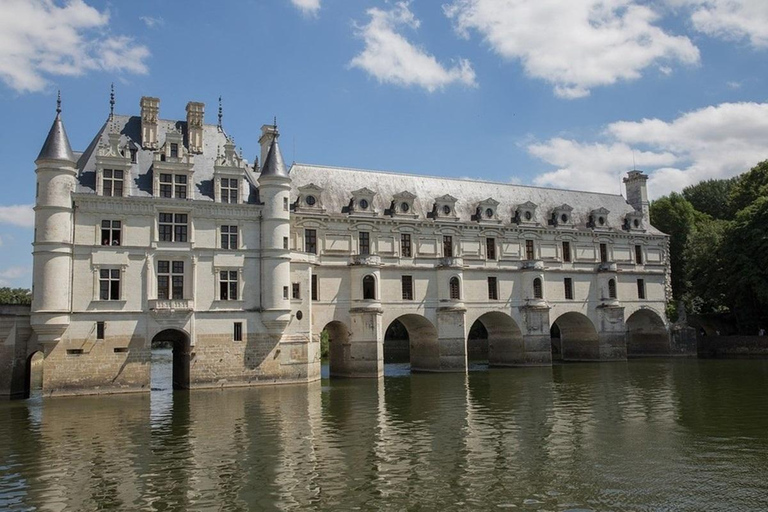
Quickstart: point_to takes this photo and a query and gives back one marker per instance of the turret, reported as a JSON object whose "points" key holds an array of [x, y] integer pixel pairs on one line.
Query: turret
{"points": [[274, 191], [52, 247], [269, 133], [637, 193]]}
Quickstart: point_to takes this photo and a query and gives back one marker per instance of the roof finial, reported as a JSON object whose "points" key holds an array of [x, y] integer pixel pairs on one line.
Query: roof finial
{"points": [[221, 112], [274, 123], [112, 101], [58, 102]]}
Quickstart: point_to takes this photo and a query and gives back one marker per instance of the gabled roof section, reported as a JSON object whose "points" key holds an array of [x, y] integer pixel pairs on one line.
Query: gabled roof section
{"points": [[56, 146]]}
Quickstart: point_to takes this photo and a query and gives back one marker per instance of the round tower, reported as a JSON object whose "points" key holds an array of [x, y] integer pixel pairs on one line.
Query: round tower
{"points": [[52, 247], [274, 192]]}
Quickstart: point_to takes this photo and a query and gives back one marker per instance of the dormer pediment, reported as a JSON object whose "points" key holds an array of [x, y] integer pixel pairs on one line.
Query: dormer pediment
{"points": [[362, 202], [525, 214], [403, 204], [310, 198], [633, 221], [228, 161], [445, 208], [598, 218], [487, 211], [173, 151], [561, 216]]}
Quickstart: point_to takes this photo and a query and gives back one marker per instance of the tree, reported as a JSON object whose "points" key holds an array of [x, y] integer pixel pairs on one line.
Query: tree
{"points": [[705, 261], [711, 197], [749, 187], [15, 296]]}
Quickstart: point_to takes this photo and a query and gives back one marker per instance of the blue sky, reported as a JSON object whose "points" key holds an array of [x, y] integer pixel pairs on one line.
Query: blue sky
{"points": [[545, 92]]}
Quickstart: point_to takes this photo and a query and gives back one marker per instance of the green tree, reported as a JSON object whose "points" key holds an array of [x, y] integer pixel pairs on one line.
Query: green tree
{"points": [[711, 197], [705, 261], [15, 296], [675, 216], [749, 187]]}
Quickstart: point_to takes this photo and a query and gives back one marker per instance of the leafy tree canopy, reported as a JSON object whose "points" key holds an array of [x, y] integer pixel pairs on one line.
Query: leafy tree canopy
{"points": [[711, 197], [749, 187], [15, 296]]}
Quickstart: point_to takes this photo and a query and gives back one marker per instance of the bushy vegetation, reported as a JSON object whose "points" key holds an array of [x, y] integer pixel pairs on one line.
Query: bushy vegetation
{"points": [[15, 296], [719, 246]]}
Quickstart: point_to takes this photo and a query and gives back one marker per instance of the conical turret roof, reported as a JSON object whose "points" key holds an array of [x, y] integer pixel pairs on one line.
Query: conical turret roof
{"points": [[273, 163], [56, 145]]}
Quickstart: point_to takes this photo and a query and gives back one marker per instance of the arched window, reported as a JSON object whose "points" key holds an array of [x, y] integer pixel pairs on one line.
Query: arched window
{"points": [[369, 288], [537, 291], [455, 288], [611, 289]]}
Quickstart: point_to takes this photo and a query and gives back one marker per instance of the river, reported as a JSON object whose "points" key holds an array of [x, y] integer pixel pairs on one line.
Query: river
{"points": [[643, 435]]}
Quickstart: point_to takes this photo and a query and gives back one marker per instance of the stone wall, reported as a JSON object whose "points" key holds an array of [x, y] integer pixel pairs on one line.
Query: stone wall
{"points": [[15, 349], [733, 347]]}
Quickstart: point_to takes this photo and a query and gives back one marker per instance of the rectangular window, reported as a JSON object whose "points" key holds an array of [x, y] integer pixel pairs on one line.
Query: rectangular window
{"points": [[365, 242], [310, 241], [568, 283], [238, 334], [490, 248], [493, 288], [229, 237], [134, 153], [166, 185], [448, 246], [111, 232], [603, 253], [228, 284], [173, 185], [173, 227], [285, 243], [100, 330], [230, 190], [405, 245], [640, 288], [285, 292], [315, 290], [407, 285], [180, 189], [109, 284], [174, 150], [639, 254], [529, 253], [112, 183], [296, 291], [285, 204], [567, 252], [170, 280]]}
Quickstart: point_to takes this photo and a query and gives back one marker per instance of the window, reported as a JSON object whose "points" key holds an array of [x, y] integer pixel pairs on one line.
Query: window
{"points": [[285, 243], [604, 253], [365, 242], [173, 185], [455, 288], [568, 283], [567, 252], [310, 200], [134, 152], [448, 246], [237, 335], [100, 330], [285, 204], [229, 237], [110, 232], [170, 280], [490, 248], [640, 289], [109, 284], [315, 290], [228, 285], [296, 291], [166, 185], [180, 188], [369, 288], [405, 245], [310, 241], [230, 190], [112, 183], [285, 292], [407, 284], [538, 293], [639, 254], [493, 288], [529, 253], [174, 150], [173, 227], [611, 289]]}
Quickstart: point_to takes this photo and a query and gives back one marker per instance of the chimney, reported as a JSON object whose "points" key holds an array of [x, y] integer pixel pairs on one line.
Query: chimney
{"points": [[150, 109], [195, 112], [637, 193], [268, 133]]}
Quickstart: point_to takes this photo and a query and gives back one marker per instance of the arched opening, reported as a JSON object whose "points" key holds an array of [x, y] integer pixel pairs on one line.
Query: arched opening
{"points": [[574, 338], [369, 288], [419, 336], [171, 357], [34, 382], [335, 336], [646, 334], [538, 292], [495, 339], [455, 288], [612, 289]]}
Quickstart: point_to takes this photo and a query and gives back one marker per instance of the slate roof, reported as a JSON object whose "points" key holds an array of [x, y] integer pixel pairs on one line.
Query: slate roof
{"points": [[339, 182], [56, 145]]}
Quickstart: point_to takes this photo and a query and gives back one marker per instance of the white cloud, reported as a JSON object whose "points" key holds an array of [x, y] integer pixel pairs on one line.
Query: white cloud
{"points": [[730, 19], [391, 58], [713, 142], [20, 215], [152, 22], [12, 273], [574, 45], [39, 39], [307, 7]]}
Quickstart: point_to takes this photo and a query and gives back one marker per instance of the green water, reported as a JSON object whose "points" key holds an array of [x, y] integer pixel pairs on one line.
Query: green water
{"points": [[643, 435]]}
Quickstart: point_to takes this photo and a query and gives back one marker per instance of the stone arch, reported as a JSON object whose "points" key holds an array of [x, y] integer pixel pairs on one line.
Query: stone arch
{"points": [[504, 339], [182, 355], [33, 378], [647, 334], [369, 287], [422, 342], [338, 347], [574, 338]]}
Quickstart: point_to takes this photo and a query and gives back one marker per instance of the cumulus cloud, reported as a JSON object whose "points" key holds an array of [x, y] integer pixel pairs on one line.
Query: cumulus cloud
{"points": [[20, 215], [730, 19], [307, 7], [713, 142], [152, 22], [391, 58], [574, 45], [39, 39]]}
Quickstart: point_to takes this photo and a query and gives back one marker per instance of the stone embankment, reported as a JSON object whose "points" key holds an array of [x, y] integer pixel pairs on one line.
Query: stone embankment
{"points": [[733, 347]]}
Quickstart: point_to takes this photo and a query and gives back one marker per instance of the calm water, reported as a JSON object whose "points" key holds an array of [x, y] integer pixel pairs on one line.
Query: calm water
{"points": [[644, 435]]}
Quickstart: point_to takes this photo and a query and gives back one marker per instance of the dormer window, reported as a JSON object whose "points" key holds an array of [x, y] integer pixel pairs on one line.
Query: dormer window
{"points": [[362, 202], [528, 216], [174, 150], [525, 213], [112, 182], [310, 197], [404, 207], [633, 222], [598, 218], [134, 155], [173, 185], [230, 190], [486, 211], [403, 204], [310, 200], [445, 207], [561, 216]]}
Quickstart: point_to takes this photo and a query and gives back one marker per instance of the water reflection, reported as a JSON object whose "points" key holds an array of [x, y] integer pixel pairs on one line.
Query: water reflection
{"points": [[644, 435]]}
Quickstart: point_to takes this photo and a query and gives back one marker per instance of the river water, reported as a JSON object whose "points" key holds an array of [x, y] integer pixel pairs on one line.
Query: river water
{"points": [[643, 435]]}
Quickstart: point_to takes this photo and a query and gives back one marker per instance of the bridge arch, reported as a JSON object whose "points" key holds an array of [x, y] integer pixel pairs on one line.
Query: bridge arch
{"points": [[182, 352], [33, 379], [500, 340], [647, 334], [338, 347], [574, 338], [423, 347]]}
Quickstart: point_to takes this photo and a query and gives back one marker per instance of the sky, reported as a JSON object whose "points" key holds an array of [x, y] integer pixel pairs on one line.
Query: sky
{"points": [[555, 93]]}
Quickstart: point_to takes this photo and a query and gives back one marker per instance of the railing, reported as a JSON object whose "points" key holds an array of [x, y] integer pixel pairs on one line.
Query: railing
{"points": [[451, 261], [533, 265], [365, 259], [171, 305], [607, 266]]}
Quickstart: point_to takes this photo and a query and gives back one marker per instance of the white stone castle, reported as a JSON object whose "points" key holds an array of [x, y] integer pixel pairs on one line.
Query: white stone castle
{"points": [[159, 230]]}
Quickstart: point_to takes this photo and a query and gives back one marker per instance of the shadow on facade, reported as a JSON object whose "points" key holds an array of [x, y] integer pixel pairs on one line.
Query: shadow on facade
{"points": [[574, 338], [646, 335]]}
